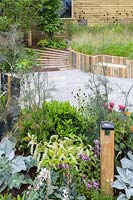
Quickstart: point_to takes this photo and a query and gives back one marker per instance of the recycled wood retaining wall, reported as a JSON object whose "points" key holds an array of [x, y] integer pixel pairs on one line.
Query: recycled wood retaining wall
{"points": [[102, 64]]}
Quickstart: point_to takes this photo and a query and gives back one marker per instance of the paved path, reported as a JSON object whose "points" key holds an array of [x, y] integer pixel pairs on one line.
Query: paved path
{"points": [[68, 81]]}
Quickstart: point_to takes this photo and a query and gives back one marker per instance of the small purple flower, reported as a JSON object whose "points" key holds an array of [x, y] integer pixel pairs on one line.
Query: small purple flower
{"points": [[60, 166], [96, 185], [96, 142], [89, 185], [80, 155], [84, 157], [65, 166], [83, 177]]}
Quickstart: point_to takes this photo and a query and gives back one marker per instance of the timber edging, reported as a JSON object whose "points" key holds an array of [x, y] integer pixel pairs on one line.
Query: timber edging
{"points": [[108, 65]]}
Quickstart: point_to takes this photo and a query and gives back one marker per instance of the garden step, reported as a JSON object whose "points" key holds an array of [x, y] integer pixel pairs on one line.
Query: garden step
{"points": [[52, 50], [51, 68], [52, 53], [52, 58]]}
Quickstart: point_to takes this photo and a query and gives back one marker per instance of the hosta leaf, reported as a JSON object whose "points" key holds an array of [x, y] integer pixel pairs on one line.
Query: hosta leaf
{"points": [[58, 195], [119, 185], [10, 155], [7, 145], [3, 187], [16, 180], [130, 155], [129, 193], [122, 197], [29, 161], [126, 163], [18, 164]]}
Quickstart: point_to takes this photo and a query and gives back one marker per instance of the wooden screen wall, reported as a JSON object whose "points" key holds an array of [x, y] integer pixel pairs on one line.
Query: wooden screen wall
{"points": [[103, 11]]}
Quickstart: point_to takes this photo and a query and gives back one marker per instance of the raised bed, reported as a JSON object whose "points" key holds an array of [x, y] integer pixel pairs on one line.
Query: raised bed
{"points": [[114, 66]]}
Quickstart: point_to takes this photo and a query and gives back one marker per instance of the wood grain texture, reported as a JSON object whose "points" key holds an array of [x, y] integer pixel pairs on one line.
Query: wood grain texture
{"points": [[107, 161], [101, 11]]}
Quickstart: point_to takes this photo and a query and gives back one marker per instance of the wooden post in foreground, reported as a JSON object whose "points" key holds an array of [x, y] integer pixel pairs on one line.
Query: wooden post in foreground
{"points": [[29, 38], [9, 79], [107, 157]]}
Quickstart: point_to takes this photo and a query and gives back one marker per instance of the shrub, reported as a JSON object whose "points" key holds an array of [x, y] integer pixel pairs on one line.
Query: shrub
{"points": [[55, 118], [53, 43]]}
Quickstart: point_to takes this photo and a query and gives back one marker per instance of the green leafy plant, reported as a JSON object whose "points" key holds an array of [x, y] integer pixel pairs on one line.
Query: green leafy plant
{"points": [[9, 197], [54, 118], [11, 166], [124, 180], [50, 21], [97, 195], [69, 156], [53, 43], [5, 23], [14, 57]]}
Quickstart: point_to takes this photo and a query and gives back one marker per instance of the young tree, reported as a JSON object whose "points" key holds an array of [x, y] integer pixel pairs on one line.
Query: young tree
{"points": [[23, 13], [50, 21]]}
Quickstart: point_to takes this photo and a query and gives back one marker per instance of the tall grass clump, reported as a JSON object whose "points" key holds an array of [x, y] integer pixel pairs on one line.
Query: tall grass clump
{"points": [[113, 40]]}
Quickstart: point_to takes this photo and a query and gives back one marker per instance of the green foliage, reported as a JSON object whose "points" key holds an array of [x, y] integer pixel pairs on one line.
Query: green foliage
{"points": [[9, 197], [14, 57], [53, 43], [50, 21], [5, 23], [123, 135], [68, 156], [97, 195], [20, 13], [3, 101], [55, 118], [11, 166], [108, 39], [118, 49], [99, 107], [67, 151], [125, 178]]}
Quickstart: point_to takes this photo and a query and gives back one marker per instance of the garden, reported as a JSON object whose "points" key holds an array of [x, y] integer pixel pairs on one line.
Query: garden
{"points": [[51, 149]]}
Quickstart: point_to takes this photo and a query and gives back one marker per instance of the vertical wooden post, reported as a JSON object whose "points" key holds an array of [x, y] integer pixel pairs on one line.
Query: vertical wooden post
{"points": [[107, 161], [30, 38], [8, 92]]}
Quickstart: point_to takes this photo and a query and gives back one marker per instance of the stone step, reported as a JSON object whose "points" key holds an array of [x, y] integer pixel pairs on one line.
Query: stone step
{"points": [[50, 64], [53, 68], [52, 59], [60, 59], [52, 50]]}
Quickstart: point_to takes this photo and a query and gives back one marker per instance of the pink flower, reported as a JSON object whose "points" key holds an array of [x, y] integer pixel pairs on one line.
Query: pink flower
{"points": [[111, 104], [121, 107], [110, 109]]}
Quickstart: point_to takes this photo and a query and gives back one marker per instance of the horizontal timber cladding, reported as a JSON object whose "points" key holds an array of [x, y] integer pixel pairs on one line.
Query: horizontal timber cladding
{"points": [[102, 64], [101, 11]]}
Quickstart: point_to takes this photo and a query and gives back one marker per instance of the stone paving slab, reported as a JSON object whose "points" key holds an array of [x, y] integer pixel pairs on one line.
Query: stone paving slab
{"points": [[63, 83], [70, 81]]}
